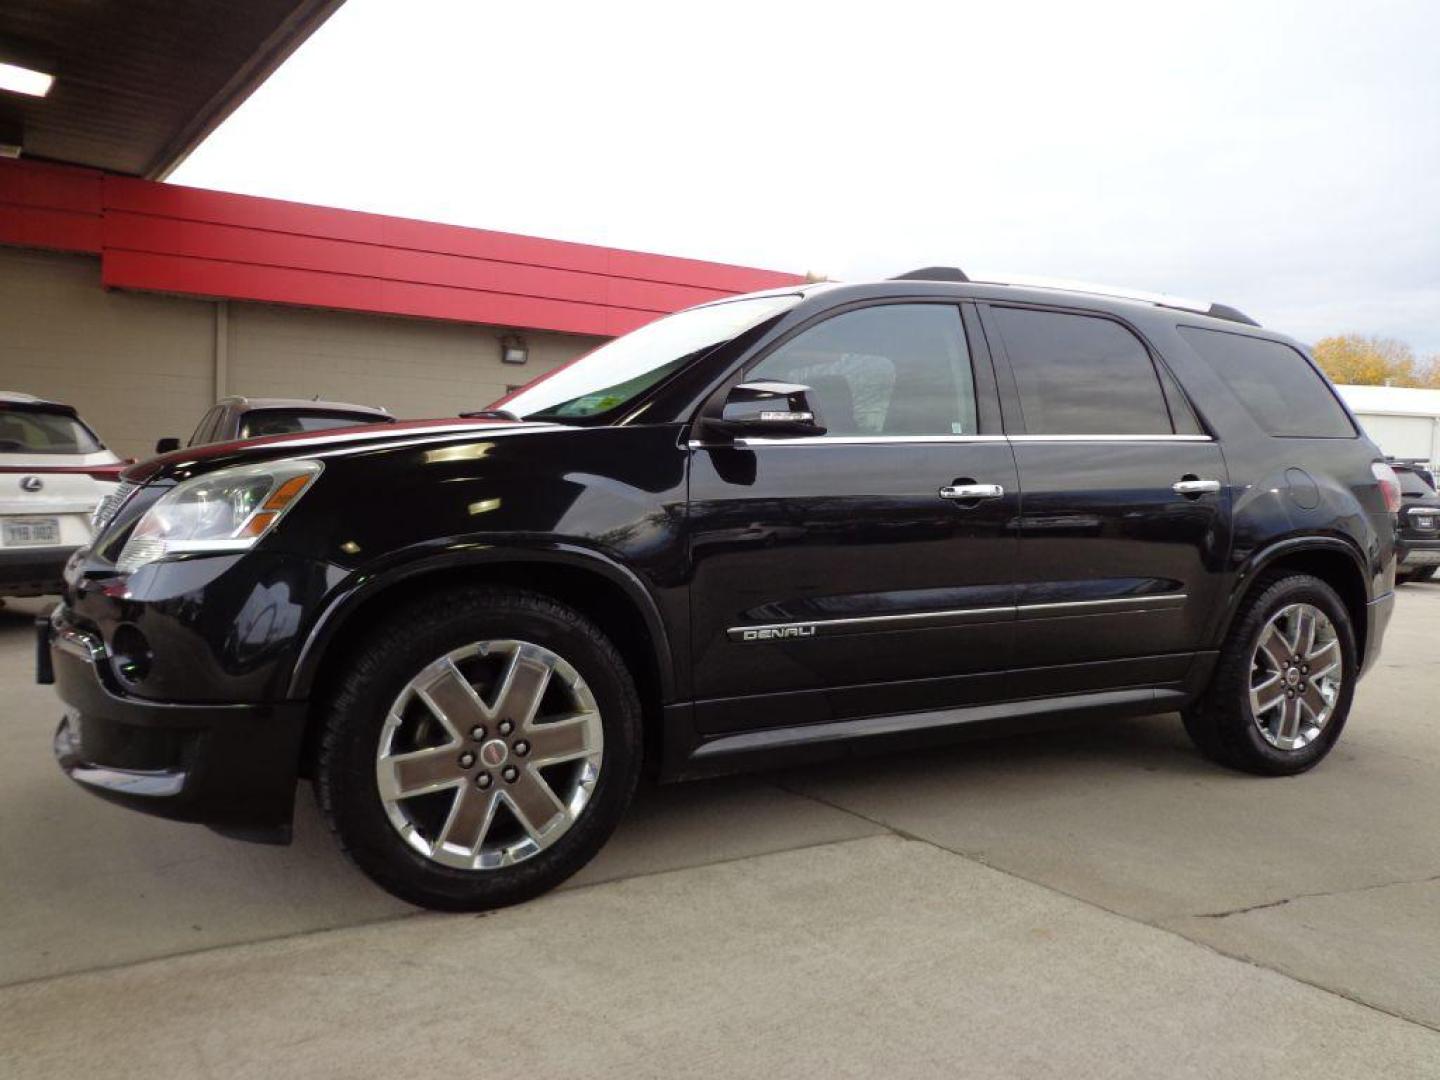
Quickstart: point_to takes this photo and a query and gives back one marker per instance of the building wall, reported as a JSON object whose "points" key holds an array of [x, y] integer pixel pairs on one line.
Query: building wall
{"points": [[140, 366], [135, 366], [410, 366]]}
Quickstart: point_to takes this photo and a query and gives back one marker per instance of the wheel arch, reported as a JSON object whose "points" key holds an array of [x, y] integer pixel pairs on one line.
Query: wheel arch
{"points": [[603, 590], [1337, 562]]}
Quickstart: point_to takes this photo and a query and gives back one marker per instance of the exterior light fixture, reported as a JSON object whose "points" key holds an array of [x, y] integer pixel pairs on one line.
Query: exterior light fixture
{"points": [[513, 349], [23, 80]]}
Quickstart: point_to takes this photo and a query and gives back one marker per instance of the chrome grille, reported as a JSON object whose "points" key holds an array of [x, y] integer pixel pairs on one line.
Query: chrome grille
{"points": [[110, 506]]}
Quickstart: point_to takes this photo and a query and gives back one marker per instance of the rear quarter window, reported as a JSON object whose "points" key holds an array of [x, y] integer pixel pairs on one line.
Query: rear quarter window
{"points": [[1276, 384]]}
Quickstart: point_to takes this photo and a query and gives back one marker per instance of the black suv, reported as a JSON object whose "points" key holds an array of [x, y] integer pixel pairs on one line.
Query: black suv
{"points": [[1418, 550], [838, 518]]}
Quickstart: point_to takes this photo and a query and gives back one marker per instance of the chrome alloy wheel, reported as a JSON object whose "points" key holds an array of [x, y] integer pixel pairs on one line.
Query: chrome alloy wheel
{"points": [[1295, 676], [489, 754]]}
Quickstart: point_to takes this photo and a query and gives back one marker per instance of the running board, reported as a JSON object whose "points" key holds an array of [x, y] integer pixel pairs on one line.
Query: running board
{"points": [[1138, 701]]}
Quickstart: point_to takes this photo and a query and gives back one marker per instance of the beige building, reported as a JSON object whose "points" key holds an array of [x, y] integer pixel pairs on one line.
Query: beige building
{"points": [[141, 366]]}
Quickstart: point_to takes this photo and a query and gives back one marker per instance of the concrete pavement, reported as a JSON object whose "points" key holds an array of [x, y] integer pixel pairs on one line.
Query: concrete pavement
{"points": [[1095, 902]]}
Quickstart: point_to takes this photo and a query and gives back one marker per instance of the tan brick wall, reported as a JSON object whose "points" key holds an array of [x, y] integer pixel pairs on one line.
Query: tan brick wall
{"points": [[135, 366], [139, 367], [412, 367]]}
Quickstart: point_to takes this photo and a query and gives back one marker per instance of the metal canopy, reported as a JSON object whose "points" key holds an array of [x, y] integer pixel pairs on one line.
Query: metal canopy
{"points": [[139, 83]]}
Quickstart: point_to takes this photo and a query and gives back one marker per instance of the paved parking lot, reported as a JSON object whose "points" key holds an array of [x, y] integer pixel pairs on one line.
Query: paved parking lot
{"points": [[1094, 902]]}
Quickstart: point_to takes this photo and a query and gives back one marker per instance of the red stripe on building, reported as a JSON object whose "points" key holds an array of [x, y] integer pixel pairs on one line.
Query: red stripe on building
{"points": [[164, 238]]}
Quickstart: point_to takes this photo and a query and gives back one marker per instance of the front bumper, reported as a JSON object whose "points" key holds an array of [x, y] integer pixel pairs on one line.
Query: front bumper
{"points": [[33, 571], [231, 766]]}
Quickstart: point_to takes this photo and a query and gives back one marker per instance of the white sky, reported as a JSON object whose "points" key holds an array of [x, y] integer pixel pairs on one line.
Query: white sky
{"points": [[1282, 157]]}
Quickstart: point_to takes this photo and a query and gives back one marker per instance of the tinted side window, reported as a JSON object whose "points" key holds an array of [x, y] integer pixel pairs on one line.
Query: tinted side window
{"points": [[1284, 394], [205, 430], [895, 369], [1081, 375]]}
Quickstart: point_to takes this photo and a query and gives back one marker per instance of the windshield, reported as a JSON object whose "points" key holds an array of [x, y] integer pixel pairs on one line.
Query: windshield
{"points": [[31, 432], [623, 369]]}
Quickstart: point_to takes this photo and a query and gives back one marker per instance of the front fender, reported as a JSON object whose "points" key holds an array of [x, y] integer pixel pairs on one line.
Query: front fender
{"points": [[362, 586]]}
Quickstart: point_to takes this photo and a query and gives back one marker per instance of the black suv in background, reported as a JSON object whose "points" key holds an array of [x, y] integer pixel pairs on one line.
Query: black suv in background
{"points": [[838, 518], [1418, 548]]}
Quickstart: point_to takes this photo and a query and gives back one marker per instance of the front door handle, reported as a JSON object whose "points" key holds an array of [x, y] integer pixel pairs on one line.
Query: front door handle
{"points": [[1192, 486], [966, 492]]}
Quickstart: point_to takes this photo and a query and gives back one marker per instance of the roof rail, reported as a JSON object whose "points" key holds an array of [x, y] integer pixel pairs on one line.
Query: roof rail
{"points": [[933, 273], [1200, 307], [1165, 300]]}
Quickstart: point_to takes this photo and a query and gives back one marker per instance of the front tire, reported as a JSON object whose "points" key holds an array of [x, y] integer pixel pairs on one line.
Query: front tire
{"points": [[479, 749], [1281, 690]]}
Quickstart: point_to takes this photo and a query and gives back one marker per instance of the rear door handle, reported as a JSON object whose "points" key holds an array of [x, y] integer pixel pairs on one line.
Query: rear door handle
{"points": [[966, 492], [1196, 487]]}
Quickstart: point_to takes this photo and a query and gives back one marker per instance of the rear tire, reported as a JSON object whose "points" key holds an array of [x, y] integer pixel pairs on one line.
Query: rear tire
{"points": [[1261, 664], [1420, 573], [484, 682]]}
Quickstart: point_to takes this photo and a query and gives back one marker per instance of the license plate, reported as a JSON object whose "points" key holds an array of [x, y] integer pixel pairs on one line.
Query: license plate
{"points": [[31, 532], [1426, 522]]}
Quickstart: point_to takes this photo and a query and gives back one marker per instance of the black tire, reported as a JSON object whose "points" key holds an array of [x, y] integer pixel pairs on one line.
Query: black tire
{"points": [[1221, 722], [1420, 573], [381, 667]]}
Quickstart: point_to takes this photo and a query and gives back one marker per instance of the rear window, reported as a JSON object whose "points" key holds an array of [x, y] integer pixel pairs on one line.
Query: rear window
{"points": [[289, 422], [31, 432], [1413, 484], [1282, 391]]}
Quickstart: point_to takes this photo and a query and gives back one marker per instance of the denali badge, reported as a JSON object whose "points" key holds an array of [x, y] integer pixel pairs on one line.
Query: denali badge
{"points": [[777, 633]]}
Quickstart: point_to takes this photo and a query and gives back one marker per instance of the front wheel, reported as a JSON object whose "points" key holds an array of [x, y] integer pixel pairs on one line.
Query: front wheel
{"points": [[1282, 687], [480, 749]]}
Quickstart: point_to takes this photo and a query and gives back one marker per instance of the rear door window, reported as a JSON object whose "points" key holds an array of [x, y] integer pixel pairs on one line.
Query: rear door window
{"points": [[1276, 384], [1081, 375]]}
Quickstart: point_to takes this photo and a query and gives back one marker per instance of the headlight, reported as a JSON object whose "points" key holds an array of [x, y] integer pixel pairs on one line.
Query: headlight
{"points": [[228, 510]]}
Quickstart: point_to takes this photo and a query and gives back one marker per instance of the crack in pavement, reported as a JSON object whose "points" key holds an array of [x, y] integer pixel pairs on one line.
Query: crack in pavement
{"points": [[1311, 896], [1161, 927]]}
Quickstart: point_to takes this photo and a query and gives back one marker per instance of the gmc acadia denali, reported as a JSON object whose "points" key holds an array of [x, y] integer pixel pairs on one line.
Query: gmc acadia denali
{"points": [[837, 518]]}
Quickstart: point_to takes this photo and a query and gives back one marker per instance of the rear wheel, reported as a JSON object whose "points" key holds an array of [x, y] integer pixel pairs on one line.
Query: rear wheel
{"points": [[1420, 573], [1282, 688], [480, 749]]}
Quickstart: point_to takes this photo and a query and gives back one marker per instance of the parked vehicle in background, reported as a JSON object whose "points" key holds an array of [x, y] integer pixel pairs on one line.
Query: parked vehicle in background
{"points": [[235, 418], [824, 519], [1417, 548], [54, 471]]}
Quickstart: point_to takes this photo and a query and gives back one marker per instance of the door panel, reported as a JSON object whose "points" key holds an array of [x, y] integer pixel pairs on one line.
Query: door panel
{"points": [[1114, 564], [825, 568], [1118, 572]]}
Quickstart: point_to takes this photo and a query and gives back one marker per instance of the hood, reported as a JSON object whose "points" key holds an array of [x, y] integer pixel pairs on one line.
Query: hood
{"points": [[197, 460]]}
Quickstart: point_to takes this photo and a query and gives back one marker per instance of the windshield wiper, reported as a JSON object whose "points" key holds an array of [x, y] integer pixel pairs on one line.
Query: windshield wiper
{"points": [[489, 414]]}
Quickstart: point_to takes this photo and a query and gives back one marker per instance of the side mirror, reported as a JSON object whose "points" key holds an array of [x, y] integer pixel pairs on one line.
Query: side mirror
{"points": [[167, 444], [768, 408]]}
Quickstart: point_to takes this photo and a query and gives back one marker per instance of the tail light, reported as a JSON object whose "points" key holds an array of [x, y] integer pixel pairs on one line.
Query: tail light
{"points": [[1389, 485]]}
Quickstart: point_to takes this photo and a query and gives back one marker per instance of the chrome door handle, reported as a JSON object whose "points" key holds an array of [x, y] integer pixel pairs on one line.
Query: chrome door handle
{"points": [[966, 492], [1196, 487]]}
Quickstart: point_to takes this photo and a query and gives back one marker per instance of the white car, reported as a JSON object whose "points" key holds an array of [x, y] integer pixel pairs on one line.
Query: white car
{"points": [[53, 473]]}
